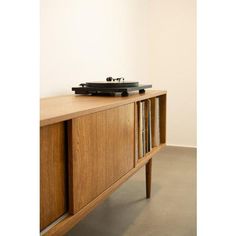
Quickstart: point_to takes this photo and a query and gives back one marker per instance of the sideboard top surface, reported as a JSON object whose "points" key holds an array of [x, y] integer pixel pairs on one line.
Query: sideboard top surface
{"points": [[61, 108]]}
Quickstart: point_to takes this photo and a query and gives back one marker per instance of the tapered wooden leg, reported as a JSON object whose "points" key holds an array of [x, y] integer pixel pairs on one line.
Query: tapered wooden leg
{"points": [[148, 178]]}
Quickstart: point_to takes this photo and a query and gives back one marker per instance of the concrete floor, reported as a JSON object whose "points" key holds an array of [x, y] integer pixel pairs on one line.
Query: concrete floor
{"points": [[170, 212]]}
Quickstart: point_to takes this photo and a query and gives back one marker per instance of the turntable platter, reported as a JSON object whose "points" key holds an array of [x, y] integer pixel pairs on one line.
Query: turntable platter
{"points": [[112, 84]]}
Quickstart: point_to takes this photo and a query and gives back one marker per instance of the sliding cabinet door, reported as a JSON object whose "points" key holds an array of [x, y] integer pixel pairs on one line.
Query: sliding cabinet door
{"points": [[102, 152], [53, 174]]}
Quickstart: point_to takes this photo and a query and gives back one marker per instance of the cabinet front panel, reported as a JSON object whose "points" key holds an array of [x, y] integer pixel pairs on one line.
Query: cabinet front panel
{"points": [[53, 187], [102, 152]]}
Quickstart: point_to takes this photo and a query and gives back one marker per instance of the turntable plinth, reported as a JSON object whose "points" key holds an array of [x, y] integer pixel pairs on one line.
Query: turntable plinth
{"points": [[110, 87], [88, 148]]}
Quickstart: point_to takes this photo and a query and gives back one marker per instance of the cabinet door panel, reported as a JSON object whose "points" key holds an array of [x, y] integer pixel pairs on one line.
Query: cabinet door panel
{"points": [[102, 152], [53, 186]]}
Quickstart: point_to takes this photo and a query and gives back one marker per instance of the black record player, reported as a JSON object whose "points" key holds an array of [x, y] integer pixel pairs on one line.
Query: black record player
{"points": [[110, 87]]}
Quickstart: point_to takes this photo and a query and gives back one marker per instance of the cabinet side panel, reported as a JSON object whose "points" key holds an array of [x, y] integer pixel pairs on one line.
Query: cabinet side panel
{"points": [[136, 133], [163, 119], [153, 122], [53, 183], [102, 152]]}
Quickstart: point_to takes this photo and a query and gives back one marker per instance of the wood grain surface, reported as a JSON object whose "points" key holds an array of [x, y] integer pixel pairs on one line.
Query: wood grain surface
{"points": [[53, 187], [136, 133], [148, 178], [102, 152], [88, 148], [163, 119], [64, 226], [61, 108]]}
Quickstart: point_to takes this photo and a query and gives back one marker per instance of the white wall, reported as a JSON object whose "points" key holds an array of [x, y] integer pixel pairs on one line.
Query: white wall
{"points": [[87, 40], [174, 65], [150, 41]]}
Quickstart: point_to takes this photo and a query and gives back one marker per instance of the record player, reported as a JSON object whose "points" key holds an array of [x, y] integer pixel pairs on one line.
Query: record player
{"points": [[110, 87]]}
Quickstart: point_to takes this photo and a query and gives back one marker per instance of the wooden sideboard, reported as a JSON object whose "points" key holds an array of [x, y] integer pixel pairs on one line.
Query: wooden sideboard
{"points": [[88, 148]]}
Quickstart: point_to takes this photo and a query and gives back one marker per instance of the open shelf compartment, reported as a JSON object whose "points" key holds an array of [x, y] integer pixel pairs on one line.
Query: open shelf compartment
{"points": [[150, 126]]}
